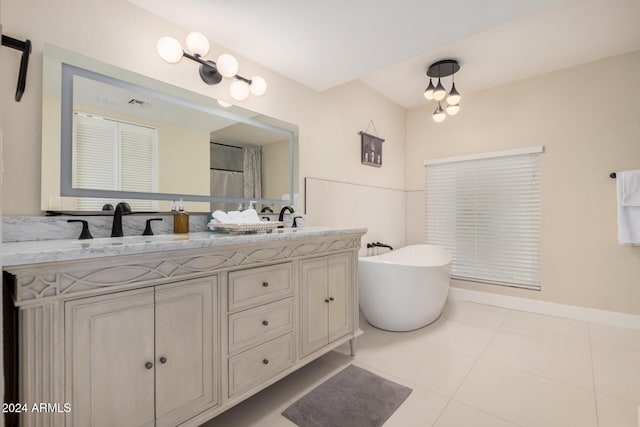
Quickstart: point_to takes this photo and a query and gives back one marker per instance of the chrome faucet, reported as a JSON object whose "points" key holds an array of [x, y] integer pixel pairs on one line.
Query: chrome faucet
{"points": [[122, 208]]}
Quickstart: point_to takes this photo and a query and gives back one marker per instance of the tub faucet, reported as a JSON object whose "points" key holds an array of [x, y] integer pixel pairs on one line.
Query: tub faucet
{"points": [[122, 208], [282, 211], [378, 244]]}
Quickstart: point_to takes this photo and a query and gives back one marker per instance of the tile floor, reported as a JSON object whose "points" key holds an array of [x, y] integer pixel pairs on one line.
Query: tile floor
{"points": [[480, 365]]}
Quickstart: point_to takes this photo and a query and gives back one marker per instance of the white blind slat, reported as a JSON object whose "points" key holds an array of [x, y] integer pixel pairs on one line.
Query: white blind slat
{"points": [[487, 213]]}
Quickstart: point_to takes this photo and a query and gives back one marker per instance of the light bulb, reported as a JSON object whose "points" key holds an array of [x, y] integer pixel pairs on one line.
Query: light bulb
{"points": [[454, 97], [428, 92], [227, 65], [258, 86], [224, 104], [439, 115], [439, 93], [239, 90], [197, 44], [169, 49], [452, 110]]}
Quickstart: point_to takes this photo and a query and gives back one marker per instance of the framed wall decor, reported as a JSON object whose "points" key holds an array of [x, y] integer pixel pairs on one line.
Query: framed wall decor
{"points": [[371, 150]]}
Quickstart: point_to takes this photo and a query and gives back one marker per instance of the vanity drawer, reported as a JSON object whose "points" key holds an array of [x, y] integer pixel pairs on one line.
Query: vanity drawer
{"points": [[260, 324], [251, 368], [255, 286]]}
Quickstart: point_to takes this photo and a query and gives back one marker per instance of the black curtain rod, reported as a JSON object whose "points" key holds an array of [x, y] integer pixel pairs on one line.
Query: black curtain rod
{"points": [[612, 175], [25, 48]]}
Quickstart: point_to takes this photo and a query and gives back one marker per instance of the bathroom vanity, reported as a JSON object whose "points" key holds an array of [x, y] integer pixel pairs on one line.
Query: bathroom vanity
{"points": [[174, 329]]}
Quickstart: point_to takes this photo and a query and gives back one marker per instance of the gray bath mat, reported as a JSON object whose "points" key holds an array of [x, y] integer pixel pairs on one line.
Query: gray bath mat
{"points": [[354, 397]]}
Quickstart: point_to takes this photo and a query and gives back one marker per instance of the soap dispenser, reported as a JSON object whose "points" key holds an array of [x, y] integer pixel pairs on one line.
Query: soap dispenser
{"points": [[180, 219]]}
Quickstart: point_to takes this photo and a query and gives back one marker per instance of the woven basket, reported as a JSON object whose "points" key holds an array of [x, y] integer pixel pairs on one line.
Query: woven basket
{"points": [[245, 228]]}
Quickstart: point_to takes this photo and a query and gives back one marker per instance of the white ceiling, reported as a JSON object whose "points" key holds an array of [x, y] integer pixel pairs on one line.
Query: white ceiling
{"points": [[389, 44]]}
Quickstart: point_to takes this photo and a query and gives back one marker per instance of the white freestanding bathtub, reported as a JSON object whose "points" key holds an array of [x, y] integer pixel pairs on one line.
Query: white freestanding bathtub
{"points": [[405, 289]]}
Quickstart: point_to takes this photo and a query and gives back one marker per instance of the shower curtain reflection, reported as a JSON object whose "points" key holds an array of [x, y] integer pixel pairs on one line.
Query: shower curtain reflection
{"points": [[252, 172]]}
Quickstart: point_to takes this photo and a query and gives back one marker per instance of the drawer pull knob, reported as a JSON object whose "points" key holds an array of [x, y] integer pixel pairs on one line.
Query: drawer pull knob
{"points": [[326, 300], [163, 360], [265, 361], [148, 365], [265, 284], [330, 298], [265, 322]]}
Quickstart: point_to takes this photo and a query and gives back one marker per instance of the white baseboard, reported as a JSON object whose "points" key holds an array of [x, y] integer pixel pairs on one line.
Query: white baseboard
{"points": [[549, 308]]}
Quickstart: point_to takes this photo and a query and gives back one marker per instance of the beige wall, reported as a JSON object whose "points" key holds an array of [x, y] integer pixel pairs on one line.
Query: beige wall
{"points": [[275, 178], [121, 34], [588, 119]]}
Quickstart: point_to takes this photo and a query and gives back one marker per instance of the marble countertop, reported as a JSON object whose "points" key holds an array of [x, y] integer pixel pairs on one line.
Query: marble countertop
{"points": [[35, 252]]}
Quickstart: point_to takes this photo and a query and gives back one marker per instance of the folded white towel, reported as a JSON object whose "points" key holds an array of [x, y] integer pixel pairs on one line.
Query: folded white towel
{"points": [[630, 181], [628, 215], [234, 215], [221, 217], [250, 216]]}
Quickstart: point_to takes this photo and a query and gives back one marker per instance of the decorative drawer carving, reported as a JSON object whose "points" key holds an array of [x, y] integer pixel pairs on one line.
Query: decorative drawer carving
{"points": [[260, 324], [255, 286], [253, 367], [38, 281]]}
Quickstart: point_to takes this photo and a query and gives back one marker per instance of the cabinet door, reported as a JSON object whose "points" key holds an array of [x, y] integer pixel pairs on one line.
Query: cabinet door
{"points": [[341, 295], [315, 308], [109, 349], [186, 342]]}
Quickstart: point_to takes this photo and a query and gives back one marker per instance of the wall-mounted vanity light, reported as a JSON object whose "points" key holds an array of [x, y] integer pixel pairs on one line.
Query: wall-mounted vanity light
{"points": [[211, 72], [440, 69]]}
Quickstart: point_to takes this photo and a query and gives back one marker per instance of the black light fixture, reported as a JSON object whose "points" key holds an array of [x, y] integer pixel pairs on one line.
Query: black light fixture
{"points": [[25, 48], [211, 72], [440, 69]]}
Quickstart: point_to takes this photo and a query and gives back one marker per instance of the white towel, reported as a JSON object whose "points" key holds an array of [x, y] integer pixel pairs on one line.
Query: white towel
{"points": [[221, 217], [234, 215], [249, 216], [630, 181], [628, 214]]}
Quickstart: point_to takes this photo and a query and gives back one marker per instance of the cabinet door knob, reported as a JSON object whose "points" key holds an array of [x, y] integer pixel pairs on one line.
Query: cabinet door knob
{"points": [[265, 361], [265, 284], [330, 298], [265, 322], [148, 365], [163, 360], [326, 300]]}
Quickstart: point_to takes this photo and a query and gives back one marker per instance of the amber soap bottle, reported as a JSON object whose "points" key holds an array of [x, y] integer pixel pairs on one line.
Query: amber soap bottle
{"points": [[180, 219]]}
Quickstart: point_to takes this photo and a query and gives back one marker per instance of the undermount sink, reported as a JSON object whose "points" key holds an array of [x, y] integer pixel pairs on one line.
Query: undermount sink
{"points": [[127, 240]]}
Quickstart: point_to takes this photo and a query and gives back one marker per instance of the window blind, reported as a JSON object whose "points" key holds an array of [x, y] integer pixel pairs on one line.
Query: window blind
{"points": [[94, 158], [487, 213], [137, 162], [113, 155]]}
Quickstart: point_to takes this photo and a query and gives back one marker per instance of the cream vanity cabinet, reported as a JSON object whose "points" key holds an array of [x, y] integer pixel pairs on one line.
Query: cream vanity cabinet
{"points": [[176, 332], [142, 357], [260, 324], [327, 300]]}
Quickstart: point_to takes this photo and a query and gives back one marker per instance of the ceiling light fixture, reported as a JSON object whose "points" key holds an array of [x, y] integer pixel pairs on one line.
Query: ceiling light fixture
{"points": [[211, 72], [440, 69]]}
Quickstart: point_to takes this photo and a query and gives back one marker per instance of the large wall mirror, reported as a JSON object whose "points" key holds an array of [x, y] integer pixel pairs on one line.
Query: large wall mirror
{"points": [[110, 135]]}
